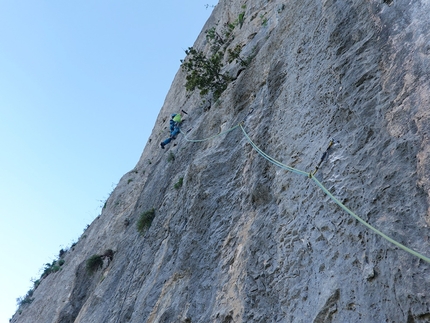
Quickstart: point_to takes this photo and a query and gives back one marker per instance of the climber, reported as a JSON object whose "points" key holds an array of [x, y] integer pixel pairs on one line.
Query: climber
{"points": [[174, 128]]}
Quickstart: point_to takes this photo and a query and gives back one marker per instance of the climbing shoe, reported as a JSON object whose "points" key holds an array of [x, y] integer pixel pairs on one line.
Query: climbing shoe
{"points": [[162, 145]]}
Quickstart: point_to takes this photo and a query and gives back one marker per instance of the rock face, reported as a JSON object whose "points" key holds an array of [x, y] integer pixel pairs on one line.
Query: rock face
{"points": [[243, 240]]}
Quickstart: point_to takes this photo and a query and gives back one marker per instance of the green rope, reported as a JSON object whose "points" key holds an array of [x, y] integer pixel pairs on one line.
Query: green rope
{"points": [[270, 159], [310, 175], [214, 136], [326, 191], [398, 244]]}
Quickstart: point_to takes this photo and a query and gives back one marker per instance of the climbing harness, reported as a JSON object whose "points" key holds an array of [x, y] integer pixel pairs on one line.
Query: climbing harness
{"points": [[318, 183]]}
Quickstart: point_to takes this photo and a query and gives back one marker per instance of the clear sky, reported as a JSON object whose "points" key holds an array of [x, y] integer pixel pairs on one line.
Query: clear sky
{"points": [[81, 84]]}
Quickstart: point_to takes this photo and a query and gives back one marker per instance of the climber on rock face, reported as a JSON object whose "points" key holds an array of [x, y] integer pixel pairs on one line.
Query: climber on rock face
{"points": [[174, 129]]}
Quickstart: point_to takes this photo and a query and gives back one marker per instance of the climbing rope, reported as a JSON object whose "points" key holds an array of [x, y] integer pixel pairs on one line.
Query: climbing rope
{"points": [[212, 137], [271, 159], [319, 184], [398, 244], [327, 192]]}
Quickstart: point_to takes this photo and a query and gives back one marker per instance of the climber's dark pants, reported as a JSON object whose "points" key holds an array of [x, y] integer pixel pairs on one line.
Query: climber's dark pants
{"points": [[173, 135]]}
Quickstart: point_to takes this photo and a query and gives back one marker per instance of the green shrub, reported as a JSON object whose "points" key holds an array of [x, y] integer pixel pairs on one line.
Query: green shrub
{"points": [[263, 20], [51, 268], [27, 299], [55, 268], [145, 220], [178, 185], [36, 283], [46, 270], [24, 300], [241, 17], [94, 263], [62, 253], [234, 55], [204, 72]]}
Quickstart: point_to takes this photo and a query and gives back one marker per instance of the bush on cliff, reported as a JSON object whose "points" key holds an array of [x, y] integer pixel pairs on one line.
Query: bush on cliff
{"points": [[145, 220], [94, 263], [204, 72]]}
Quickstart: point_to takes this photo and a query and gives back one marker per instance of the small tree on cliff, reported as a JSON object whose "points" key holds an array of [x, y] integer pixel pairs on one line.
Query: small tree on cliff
{"points": [[204, 72], [94, 263], [145, 220]]}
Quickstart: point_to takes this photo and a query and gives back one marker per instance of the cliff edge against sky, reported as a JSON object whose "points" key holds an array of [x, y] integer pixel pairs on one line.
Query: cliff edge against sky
{"points": [[236, 238]]}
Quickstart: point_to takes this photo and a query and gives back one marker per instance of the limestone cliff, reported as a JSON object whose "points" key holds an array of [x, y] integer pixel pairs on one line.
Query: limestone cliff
{"points": [[243, 240]]}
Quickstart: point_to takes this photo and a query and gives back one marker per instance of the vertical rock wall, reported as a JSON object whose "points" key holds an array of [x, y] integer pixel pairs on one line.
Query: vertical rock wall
{"points": [[245, 241]]}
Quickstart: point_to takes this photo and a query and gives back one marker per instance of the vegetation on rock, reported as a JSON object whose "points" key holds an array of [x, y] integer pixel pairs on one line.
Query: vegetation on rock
{"points": [[94, 263], [205, 72], [145, 220], [179, 183]]}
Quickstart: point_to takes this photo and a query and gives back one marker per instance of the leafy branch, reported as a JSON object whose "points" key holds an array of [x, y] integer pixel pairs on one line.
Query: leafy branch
{"points": [[205, 72]]}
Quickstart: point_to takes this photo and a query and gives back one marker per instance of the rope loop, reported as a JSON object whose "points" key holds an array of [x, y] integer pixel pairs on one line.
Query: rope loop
{"points": [[311, 175]]}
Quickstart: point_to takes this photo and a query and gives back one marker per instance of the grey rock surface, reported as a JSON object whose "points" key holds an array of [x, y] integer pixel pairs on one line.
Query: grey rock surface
{"points": [[245, 241]]}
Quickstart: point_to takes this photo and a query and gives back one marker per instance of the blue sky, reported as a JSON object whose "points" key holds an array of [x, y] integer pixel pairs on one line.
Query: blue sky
{"points": [[81, 84]]}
